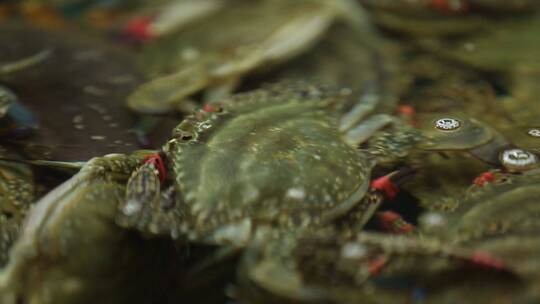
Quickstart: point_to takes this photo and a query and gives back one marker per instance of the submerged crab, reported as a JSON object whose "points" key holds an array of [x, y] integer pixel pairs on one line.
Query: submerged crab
{"points": [[264, 163]]}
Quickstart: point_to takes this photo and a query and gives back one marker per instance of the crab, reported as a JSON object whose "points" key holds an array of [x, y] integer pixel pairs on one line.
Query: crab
{"points": [[262, 164], [486, 236], [368, 267], [34, 158], [424, 18], [445, 18], [517, 73], [214, 52], [17, 187], [16, 195]]}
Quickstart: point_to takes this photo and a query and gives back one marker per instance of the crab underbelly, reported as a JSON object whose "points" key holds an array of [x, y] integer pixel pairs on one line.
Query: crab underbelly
{"points": [[285, 165]]}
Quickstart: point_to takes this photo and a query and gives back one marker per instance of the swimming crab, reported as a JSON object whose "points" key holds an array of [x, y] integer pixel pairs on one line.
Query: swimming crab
{"points": [[214, 52], [430, 18], [259, 165], [485, 236]]}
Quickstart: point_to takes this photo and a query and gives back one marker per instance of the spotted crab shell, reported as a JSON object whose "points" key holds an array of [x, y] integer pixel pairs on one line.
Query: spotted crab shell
{"points": [[495, 210], [271, 156]]}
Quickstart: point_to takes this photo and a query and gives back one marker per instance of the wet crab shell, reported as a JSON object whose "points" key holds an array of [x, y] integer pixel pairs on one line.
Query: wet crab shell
{"points": [[274, 156]]}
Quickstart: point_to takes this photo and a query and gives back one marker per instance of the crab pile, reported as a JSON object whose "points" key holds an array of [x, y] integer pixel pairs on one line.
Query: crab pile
{"points": [[348, 151]]}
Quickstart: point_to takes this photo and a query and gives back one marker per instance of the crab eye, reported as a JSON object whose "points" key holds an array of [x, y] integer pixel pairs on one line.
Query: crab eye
{"points": [[186, 136], [534, 132]]}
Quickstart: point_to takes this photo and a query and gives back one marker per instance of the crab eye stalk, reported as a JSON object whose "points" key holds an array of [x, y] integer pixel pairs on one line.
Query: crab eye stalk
{"points": [[186, 136], [184, 132], [447, 124]]}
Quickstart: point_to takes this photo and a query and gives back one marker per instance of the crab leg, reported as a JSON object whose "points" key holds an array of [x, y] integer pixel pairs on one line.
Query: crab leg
{"points": [[361, 110], [22, 64], [363, 131], [146, 207]]}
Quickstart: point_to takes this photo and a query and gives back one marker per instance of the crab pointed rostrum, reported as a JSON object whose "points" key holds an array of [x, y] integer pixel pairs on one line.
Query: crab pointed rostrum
{"points": [[272, 157]]}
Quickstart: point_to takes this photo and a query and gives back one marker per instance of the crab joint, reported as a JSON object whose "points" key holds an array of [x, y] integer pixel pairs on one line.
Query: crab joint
{"points": [[449, 6], [484, 178], [385, 185], [157, 161], [408, 112], [486, 260], [212, 108], [388, 184], [393, 222], [139, 28], [376, 265]]}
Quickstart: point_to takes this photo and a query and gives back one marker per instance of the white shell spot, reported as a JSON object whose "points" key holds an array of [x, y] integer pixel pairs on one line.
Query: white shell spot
{"points": [[237, 233], [518, 158], [251, 193], [534, 132], [77, 119], [354, 250], [131, 208], [469, 47], [447, 124], [189, 54], [98, 137], [433, 219], [94, 90], [296, 193]]}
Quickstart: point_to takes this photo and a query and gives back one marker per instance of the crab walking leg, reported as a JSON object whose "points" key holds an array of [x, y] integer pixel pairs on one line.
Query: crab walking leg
{"points": [[356, 128], [22, 64], [71, 250], [367, 128], [402, 244], [361, 110]]}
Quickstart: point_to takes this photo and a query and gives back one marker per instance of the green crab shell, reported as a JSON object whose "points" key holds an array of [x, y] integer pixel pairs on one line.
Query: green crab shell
{"points": [[272, 156], [498, 209]]}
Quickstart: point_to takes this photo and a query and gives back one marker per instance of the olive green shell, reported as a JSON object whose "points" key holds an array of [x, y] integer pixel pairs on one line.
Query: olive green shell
{"points": [[508, 206], [273, 156]]}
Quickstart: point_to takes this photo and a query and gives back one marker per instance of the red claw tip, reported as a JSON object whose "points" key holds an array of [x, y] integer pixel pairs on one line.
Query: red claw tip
{"points": [[139, 28], [393, 222], [211, 108], [376, 265], [386, 186], [486, 260], [484, 178], [156, 160], [406, 110], [449, 6]]}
